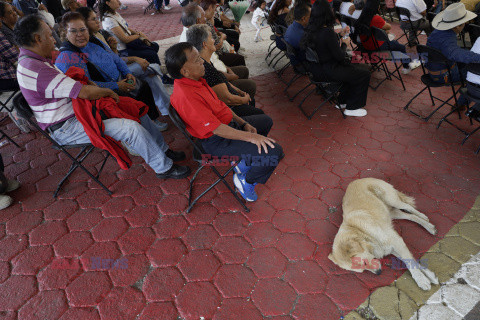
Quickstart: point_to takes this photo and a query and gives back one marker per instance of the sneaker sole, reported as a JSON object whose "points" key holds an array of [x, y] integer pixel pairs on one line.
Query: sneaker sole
{"points": [[239, 187], [183, 176]]}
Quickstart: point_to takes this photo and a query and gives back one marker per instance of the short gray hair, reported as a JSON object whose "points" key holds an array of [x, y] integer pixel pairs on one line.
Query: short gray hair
{"points": [[198, 34], [190, 14]]}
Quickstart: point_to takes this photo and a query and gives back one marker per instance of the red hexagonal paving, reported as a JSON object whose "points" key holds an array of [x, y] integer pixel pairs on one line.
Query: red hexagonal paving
{"points": [[155, 261]]}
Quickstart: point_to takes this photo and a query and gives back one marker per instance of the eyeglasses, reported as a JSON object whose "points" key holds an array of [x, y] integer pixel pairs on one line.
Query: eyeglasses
{"points": [[75, 31]]}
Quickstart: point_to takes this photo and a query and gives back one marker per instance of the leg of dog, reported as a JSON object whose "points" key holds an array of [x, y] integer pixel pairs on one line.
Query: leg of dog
{"points": [[404, 202], [399, 214], [400, 250]]}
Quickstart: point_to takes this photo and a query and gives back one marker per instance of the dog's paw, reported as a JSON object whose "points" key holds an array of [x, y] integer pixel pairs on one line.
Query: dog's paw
{"points": [[422, 281], [431, 228], [430, 275]]}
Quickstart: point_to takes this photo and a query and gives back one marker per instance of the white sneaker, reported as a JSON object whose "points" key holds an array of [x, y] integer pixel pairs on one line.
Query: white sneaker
{"points": [[167, 8], [356, 113], [391, 36], [5, 201], [406, 70], [342, 106], [414, 64]]}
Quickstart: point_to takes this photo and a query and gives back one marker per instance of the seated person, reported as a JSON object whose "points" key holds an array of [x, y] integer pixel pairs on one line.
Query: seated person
{"points": [[277, 16], [418, 11], [70, 5], [332, 66], [50, 92], [8, 49], [130, 42], [371, 44], [448, 24], [358, 6], [193, 14], [470, 4], [227, 26], [473, 80], [101, 65], [230, 59], [139, 67], [28, 6], [295, 32], [19, 12], [346, 8], [239, 101], [54, 7], [220, 130]]}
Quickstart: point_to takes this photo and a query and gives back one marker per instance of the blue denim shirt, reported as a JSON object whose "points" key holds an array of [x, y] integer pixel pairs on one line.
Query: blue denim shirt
{"points": [[293, 36], [446, 42]]}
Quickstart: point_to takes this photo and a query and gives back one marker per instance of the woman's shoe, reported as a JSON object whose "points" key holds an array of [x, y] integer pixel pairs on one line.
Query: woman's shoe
{"points": [[5, 201], [355, 113]]}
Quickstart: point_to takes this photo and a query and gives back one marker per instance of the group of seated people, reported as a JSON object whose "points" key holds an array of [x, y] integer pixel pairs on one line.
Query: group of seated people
{"points": [[214, 97]]}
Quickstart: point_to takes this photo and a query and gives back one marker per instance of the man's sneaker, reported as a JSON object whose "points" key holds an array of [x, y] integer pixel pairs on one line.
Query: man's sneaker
{"points": [[167, 8], [162, 126], [341, 106], [5, 201], [175, 155], [356, 113], [241, 167], [246, 190], [406, 70], [175, 172]]}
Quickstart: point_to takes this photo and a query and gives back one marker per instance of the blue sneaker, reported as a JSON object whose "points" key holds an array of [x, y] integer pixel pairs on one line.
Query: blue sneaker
{"points": [[241, 168], [247, 190]]}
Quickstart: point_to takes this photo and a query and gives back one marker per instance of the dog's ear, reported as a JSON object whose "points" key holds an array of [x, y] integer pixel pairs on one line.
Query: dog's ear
{"points": [[353, 247]]}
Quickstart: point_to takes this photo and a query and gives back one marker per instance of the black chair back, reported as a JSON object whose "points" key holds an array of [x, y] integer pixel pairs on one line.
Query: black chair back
{"points": [[379, 34], [311, 55], [22, 107], [177, 121], [402, 11], [474, 32]]}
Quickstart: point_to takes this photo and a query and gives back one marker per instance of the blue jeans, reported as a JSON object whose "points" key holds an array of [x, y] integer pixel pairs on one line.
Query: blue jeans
{"points": [[396, 46], [144, 138], [457, 74], [160, 95]]}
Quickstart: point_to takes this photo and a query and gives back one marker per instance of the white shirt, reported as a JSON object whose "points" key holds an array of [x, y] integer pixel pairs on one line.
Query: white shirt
{"points": [[258, 15], [356, 14], [344, 6], [470, 76], [183, 36], [414, 6], [109, 22]]}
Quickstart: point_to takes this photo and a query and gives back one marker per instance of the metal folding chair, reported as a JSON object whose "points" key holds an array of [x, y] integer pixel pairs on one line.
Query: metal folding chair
{"points": [[4, 107], [405, 12], [199, 150], [24, 110], [434, 56]]}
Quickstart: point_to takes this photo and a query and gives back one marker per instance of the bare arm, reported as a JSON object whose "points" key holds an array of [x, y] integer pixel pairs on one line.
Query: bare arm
{"points": [[230, 99], [118, 31], [93, 93], [228, 132]]}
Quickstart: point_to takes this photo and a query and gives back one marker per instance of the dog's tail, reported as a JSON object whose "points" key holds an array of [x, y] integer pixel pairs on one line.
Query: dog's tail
{"points": [[407, 199]]}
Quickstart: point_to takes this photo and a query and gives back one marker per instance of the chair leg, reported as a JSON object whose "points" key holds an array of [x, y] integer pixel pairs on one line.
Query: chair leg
{"points": [[231, 189], [273, 59], [468, 135], [4, 135], [303, 89], [275, 64], [411, 100]]}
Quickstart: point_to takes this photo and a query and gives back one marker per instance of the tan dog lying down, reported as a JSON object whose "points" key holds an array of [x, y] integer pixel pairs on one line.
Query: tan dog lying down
{"points": [[366, 233]]}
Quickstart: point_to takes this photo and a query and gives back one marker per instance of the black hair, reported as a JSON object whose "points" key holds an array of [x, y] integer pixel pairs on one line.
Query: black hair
{"points": [[3, 7], [322, 15], [25, 29], [175, 58], [258, 4], [85, 12], [363, 22], [300, 11], [104, 8], [279, 5]]}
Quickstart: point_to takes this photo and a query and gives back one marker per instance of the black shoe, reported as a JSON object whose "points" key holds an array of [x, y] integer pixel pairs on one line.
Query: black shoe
{"points": [[175, 155], [175, 172]]}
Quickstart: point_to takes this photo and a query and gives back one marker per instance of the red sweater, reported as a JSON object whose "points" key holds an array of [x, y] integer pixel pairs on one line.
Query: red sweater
{"points": [[89, 113]]}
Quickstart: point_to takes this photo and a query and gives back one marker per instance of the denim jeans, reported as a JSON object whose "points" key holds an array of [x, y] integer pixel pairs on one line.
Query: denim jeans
{"points": [[160, 95], [396, 46], [457, 74], [143, 138]]}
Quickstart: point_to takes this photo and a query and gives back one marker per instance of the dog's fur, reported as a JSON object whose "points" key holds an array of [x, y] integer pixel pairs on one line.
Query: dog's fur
{"points": [[366, 233]]}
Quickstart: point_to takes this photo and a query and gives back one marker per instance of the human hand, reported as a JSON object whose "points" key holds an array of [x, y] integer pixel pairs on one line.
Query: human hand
{"points": [[223, 36], [142, 62], [249, 128], [131, 78], [261, 142], [125, 86], [112, 94]]}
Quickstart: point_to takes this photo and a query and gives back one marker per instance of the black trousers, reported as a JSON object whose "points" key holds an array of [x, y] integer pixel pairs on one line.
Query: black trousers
{"points": [[232, 38], [355, 79], [149, 53], [144, 95], [262, 164], [245, 110], [232, 59]]}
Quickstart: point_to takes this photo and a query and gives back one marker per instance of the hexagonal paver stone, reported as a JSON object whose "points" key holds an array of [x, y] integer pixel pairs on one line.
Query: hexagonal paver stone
{"points": [[198, 299], [274, 297], [163, 284], [235, 281], [199, 265], [45, 305], [88, 289]]}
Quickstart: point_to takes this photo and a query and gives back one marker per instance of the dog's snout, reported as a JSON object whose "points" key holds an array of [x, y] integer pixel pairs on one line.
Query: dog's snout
{"points": [[378, 272]]}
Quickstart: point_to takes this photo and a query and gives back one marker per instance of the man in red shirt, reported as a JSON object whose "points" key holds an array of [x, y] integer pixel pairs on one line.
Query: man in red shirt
{"points": [[221, 131]]}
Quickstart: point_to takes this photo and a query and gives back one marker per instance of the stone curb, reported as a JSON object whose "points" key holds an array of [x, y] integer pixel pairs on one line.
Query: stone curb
{"points": [[403, 298]]}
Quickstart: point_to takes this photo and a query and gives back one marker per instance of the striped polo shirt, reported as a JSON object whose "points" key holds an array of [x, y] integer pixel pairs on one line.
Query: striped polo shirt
{"points": [[48, 91]]}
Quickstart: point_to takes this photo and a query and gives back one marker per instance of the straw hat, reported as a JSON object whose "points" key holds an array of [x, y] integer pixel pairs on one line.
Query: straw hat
{"points": [[454, 15]]}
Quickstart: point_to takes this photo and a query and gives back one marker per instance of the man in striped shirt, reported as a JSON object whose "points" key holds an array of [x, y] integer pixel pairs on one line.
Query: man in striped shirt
{"points": [[49, 92]]}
